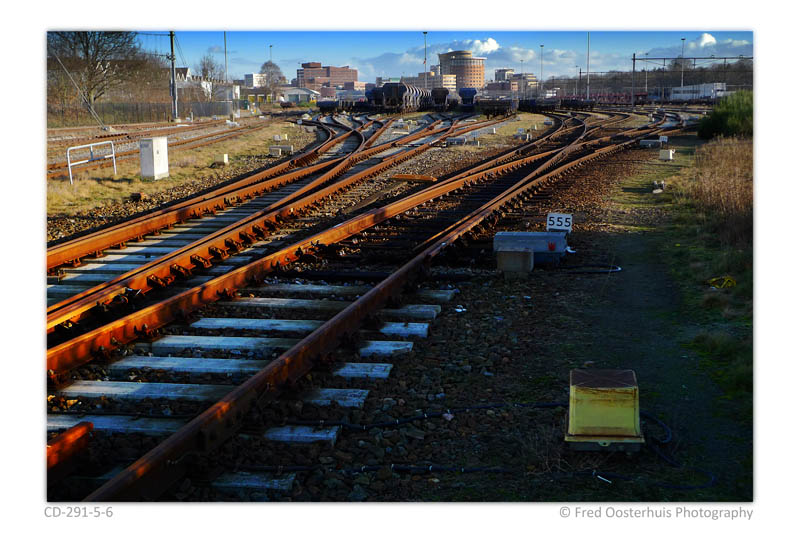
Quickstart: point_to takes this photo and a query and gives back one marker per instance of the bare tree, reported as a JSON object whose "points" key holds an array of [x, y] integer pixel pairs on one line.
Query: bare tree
{"points": [[209, 68], [275, 77], [97, 60]]}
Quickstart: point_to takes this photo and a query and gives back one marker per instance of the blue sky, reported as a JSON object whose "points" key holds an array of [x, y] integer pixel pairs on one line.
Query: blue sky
{"points": [[394, 53]]}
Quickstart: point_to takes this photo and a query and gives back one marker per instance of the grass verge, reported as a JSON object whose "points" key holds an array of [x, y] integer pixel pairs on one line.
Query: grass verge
{"points": [[708, 244]]}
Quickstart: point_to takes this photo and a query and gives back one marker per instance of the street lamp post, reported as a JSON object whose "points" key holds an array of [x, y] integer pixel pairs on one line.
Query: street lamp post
{"points": [[425, 34], [645, 74], [522, 78], [541, 64], [683, 42], [576, 80]]}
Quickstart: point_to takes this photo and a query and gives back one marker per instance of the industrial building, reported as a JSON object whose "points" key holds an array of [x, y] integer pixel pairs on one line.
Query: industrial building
{"points": [[299, 95], [313, 75], [469, 70]]}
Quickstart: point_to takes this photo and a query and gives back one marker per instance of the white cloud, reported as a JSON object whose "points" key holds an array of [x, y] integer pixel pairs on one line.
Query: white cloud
{"points": [[703, 41], [479, 47]]}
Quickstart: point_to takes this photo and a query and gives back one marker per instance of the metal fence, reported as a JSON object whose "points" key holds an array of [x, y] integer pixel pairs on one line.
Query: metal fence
{"points": [[126, 113]]}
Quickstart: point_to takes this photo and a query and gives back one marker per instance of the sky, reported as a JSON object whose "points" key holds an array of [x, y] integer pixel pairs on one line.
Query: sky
{"points": [[396, 53]]}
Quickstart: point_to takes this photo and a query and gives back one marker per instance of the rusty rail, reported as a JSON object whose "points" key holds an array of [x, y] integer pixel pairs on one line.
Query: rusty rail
{"points": [[73, 250], [63, 449], [163, 271], [165, 463]]}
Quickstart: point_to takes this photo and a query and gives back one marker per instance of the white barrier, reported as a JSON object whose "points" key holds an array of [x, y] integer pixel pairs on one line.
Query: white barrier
{"points": [[91, 146]]}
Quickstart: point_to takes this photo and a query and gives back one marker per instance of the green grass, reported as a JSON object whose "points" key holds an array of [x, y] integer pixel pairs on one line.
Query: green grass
{"points": [[696, 251]]}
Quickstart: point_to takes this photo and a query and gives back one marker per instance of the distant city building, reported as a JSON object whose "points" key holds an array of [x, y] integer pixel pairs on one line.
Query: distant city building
{"points": [[502, 74], [431, 80], [379, 81], [327, 92], [313, 76], [527, 83], [469, 70], [354, 85]]}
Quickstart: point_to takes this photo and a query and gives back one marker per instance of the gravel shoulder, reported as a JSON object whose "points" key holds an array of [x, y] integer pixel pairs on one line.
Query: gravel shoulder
{"points": [[518, 340]]}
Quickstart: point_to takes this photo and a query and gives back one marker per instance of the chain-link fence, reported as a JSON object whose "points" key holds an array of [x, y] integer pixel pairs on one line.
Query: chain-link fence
{"points": [[59, 116]]}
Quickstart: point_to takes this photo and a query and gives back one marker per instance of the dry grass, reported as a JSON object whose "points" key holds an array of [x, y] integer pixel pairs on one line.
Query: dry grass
{"points": [[720, 185], [97, 187]]}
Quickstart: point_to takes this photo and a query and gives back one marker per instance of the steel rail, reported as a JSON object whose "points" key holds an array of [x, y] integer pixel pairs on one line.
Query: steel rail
{"points": [[133, 135], [163, 271], [222, 135], [165, 463], [58, 309], [74, 249], [94, 242], [62, 450]]}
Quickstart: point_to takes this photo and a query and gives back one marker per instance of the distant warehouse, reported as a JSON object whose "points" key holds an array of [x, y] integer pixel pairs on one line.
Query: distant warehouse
{"points": [[705, 91]]}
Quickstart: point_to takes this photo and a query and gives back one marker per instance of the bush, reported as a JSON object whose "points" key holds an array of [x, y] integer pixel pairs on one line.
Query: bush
{"points": [[733, 116]]}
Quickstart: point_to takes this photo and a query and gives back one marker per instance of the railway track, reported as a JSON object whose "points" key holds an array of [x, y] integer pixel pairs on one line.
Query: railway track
{"points": [[244, 224], [56, 170], [216, 371]]}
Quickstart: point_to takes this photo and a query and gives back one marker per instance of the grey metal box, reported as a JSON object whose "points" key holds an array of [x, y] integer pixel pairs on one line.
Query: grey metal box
{"points": [[153, 157]]}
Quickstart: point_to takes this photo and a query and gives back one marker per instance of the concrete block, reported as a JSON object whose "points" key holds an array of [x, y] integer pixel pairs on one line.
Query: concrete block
{"points": [[547, 246], [275, 151], [276, 137], [515, 261], [221, 159], [285, 137], [154, 157], [285, 148], [666, 155]]}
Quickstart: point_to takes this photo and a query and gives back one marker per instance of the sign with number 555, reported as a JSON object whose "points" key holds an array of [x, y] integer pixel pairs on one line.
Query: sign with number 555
{"points": [[559, 221]]}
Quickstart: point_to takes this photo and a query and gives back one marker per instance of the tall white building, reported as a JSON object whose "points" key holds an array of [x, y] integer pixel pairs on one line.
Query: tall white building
{"points": [[255, 80]]}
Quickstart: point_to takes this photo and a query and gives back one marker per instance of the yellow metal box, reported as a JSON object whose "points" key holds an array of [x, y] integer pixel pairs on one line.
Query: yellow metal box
{"points": [[603, 410]]}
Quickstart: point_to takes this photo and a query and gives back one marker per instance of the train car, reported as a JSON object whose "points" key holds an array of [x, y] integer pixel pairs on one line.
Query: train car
{"points": [[453, 101], [577, 104], [439, 97], [467, 96], [539, 105], [404, 98], [328, 106], [492, 107]]}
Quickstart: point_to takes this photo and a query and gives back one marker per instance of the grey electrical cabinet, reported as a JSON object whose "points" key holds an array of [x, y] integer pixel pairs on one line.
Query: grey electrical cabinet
{"points": [[153, 157]]}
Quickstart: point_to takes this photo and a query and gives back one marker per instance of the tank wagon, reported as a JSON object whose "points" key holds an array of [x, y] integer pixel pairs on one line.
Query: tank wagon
{"points": [[403, 98]]}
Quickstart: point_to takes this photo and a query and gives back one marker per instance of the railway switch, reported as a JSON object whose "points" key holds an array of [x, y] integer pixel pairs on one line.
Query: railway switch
{"points": [[603, 411]]}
